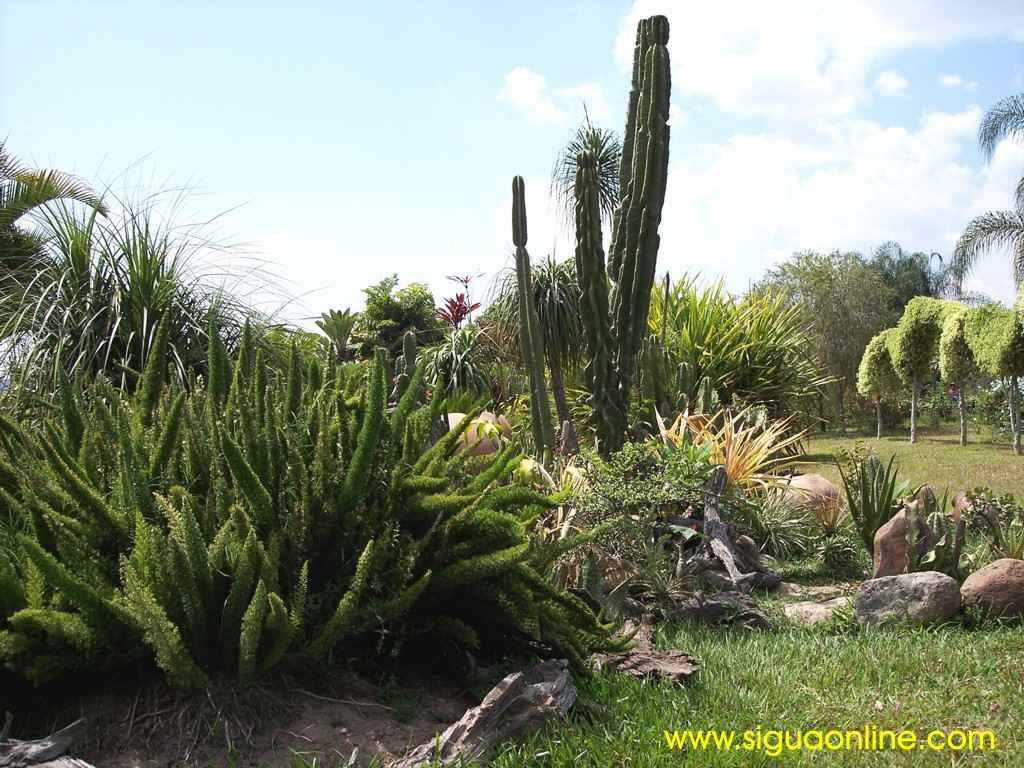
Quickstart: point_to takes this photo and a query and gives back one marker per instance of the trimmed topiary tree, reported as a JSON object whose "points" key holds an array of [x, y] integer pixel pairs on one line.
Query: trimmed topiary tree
{"points": [[914, 347], [876, 377], [996, 338], [956, 362]]}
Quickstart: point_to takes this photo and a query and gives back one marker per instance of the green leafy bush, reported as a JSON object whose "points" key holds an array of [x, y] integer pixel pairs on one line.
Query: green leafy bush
{"points": [[263, 516], [390, 313]]}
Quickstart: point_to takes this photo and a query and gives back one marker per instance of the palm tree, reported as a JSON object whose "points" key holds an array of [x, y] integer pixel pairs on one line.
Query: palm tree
{"points": [[996, 229], [23, 190], [556, 295], [606, 147]]}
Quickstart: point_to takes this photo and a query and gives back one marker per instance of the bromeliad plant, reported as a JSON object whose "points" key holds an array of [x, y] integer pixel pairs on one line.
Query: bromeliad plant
{"points": [[256, 517], [751, 449]]}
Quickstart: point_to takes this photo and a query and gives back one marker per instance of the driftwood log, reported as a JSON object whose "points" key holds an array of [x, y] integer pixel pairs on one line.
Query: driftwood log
{"points": [[47, 752], [519, 704], [742, 565]]}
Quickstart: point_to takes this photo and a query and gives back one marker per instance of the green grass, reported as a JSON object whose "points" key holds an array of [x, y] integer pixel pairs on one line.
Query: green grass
{"points": [[793, 678], [937, 458]]}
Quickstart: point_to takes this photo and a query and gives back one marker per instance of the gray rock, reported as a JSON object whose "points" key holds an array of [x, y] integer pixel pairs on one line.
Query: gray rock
{"points": [[999, 587], [810, 613], [788, 589], [722, 608], [911, 598]]}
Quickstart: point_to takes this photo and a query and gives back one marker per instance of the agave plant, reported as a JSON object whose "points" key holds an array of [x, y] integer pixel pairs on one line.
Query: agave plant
{"points": [[873, 493]]}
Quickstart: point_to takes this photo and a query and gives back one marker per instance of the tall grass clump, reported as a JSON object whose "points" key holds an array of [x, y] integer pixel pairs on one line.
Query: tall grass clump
{"points": [[99, 286], [705, 347]]}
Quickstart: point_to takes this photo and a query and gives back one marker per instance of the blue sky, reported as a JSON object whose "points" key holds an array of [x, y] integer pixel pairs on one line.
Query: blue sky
{"points": [[348, 142]]}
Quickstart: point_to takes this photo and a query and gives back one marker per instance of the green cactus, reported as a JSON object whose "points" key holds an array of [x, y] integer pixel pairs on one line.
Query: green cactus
{"points": [[615, 334], [405, 365], [531, 343]]}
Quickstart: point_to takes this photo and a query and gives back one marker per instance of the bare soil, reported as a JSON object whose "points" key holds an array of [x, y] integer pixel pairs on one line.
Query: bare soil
{"points": [[288, 723]]}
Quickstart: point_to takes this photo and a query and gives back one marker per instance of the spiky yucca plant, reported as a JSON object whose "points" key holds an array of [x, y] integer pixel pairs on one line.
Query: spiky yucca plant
{"points": [[260, 516]]}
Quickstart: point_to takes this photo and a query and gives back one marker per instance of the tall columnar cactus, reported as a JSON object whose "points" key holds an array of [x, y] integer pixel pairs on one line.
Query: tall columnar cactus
{"points": [[615, 335], [405, 365], [593, 282], [531, 343]]}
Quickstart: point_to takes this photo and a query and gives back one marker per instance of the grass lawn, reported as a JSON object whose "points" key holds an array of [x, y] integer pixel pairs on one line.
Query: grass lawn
{"points": [[836, 676], [937, 458], [799, 679]]}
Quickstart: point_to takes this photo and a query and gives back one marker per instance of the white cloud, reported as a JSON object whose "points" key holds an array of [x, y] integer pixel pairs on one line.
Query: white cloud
{"points": [[955, 81], [528, 92], [676, 116], [803, 57], [590, 95], [754, 199], [891, 83]]}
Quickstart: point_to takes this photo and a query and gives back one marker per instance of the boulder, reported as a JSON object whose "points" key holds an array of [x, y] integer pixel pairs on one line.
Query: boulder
{"points": [[812, 491], [911, 598], [810, 612], [999, 587], [476, 438], [890, 557]]}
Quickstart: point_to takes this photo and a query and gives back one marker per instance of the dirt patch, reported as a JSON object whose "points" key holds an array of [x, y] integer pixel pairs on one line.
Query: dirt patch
{"points": [[279, 724]]}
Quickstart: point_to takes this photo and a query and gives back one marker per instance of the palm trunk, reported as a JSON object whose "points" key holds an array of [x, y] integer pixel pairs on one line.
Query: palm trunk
{"points": [[570, 445], [878, 417], [914, 394], [1014, 416], [962, 397]]}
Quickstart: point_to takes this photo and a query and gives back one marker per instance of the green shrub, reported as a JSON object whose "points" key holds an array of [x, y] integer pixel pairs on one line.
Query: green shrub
{"points": [[260, 517], [781, 528], [390, 313], [706, 347], [1000, 520]]}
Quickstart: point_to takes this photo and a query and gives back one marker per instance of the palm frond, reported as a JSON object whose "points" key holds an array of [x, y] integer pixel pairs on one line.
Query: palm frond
{"points": [[996, 230], [1005, 119], [606, 147], [27, 190], [556, 295]]}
